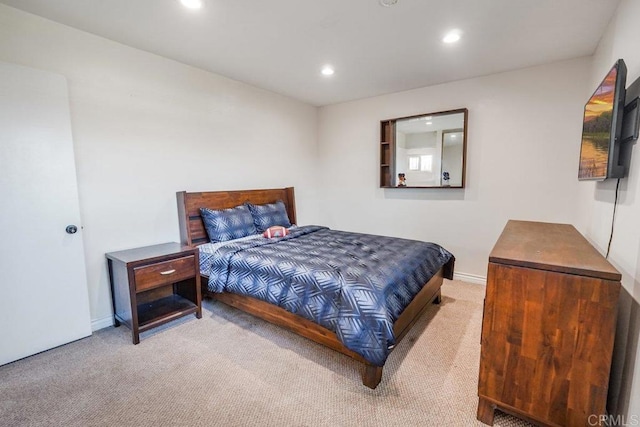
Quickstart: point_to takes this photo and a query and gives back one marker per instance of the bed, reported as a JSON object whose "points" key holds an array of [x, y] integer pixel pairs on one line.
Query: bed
{"points": [[242, 258]]}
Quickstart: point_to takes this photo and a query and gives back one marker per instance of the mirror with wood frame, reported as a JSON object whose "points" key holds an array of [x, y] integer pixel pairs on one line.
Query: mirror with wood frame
{"points": [[424, 151]]}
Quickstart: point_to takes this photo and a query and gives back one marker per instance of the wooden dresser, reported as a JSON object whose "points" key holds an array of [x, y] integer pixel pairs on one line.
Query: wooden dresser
{"points": [[548, 327]]}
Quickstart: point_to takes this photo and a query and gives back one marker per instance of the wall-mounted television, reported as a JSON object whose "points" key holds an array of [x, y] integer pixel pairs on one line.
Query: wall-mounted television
{"points": [[602, 128]]}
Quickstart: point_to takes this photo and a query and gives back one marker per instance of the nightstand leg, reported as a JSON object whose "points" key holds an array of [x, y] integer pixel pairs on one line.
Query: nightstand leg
{"points": [[116, 322]]}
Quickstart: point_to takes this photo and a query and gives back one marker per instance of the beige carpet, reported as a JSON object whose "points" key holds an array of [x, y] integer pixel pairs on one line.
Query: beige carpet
{"points": [[232, 369]]}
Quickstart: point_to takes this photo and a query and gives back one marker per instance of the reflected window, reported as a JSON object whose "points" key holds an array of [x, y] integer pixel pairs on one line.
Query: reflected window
{"points": [[414, 163], [426, 163]]}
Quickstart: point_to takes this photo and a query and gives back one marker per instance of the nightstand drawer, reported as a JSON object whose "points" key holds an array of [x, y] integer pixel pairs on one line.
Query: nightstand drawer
{"points": [[163, 273]]}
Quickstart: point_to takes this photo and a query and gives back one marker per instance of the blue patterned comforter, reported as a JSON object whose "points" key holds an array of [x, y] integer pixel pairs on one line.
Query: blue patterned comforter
{"points": [[355, 285]]}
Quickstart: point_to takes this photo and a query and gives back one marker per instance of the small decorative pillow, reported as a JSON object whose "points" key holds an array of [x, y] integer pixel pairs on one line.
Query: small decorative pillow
{"points": [[275, 231], [228, 224], [265, 216]]}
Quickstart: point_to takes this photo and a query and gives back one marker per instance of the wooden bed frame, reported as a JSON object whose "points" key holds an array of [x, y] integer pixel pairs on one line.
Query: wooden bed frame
{"points": [[193, 233]]}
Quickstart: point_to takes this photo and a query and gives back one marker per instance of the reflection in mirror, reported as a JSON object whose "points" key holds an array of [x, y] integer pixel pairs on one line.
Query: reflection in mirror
{"points": [[424, 151], [429, 150], [452, 155]]}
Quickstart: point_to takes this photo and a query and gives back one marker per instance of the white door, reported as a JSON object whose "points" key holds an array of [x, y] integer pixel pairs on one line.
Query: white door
{"points": [[43, 287]]}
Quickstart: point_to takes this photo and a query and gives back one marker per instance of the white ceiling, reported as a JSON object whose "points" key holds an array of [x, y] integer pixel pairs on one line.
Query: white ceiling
{"points": [[430, 123], [281, 45]]}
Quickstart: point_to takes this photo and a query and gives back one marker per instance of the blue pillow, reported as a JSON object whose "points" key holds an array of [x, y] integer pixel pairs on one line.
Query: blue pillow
{"points": [[228, 224], [265, 216]]}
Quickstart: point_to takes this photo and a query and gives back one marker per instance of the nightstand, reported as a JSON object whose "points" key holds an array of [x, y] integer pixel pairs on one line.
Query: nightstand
{"points": [[153, 285]]}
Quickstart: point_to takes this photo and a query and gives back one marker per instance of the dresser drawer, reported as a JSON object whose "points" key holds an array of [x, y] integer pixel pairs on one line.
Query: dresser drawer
{"points": [[163, 273]]}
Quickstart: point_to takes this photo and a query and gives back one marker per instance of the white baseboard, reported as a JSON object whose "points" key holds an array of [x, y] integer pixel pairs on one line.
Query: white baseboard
{"points": [[470, 278], [105, 322]]}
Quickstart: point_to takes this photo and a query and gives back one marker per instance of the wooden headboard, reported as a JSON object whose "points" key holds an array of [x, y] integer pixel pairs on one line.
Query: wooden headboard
{"points": [[192, 231]]}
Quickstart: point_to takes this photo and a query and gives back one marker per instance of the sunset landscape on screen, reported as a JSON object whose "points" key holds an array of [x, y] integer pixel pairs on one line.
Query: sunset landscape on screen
{"points": [[596, 130]]}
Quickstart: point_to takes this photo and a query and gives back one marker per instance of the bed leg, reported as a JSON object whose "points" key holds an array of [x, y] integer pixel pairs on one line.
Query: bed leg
{"points": [[438, 298], [372, 376]]}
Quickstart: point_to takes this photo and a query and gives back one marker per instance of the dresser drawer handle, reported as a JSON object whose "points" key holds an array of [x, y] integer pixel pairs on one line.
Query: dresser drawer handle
{"points": [[165, 273]]}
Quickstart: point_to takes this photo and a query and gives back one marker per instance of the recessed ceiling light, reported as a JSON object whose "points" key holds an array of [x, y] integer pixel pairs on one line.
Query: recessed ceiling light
{"points": [[388, 3], [452, 36], [327, 70], [453, 136], [429, 123], [192, 4]]}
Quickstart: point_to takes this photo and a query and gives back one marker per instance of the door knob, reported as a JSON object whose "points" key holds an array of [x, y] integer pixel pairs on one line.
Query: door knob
{"points": [[71, 229]]}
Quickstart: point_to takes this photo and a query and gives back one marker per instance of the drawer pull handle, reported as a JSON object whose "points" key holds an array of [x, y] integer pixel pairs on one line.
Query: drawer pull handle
{"points": [[164, 273]]}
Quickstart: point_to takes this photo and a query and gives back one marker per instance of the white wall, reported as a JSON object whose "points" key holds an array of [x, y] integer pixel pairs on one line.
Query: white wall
{"points": [[451, 160], [621, 40], [418, 144], [145, 127], [523, 146]]}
